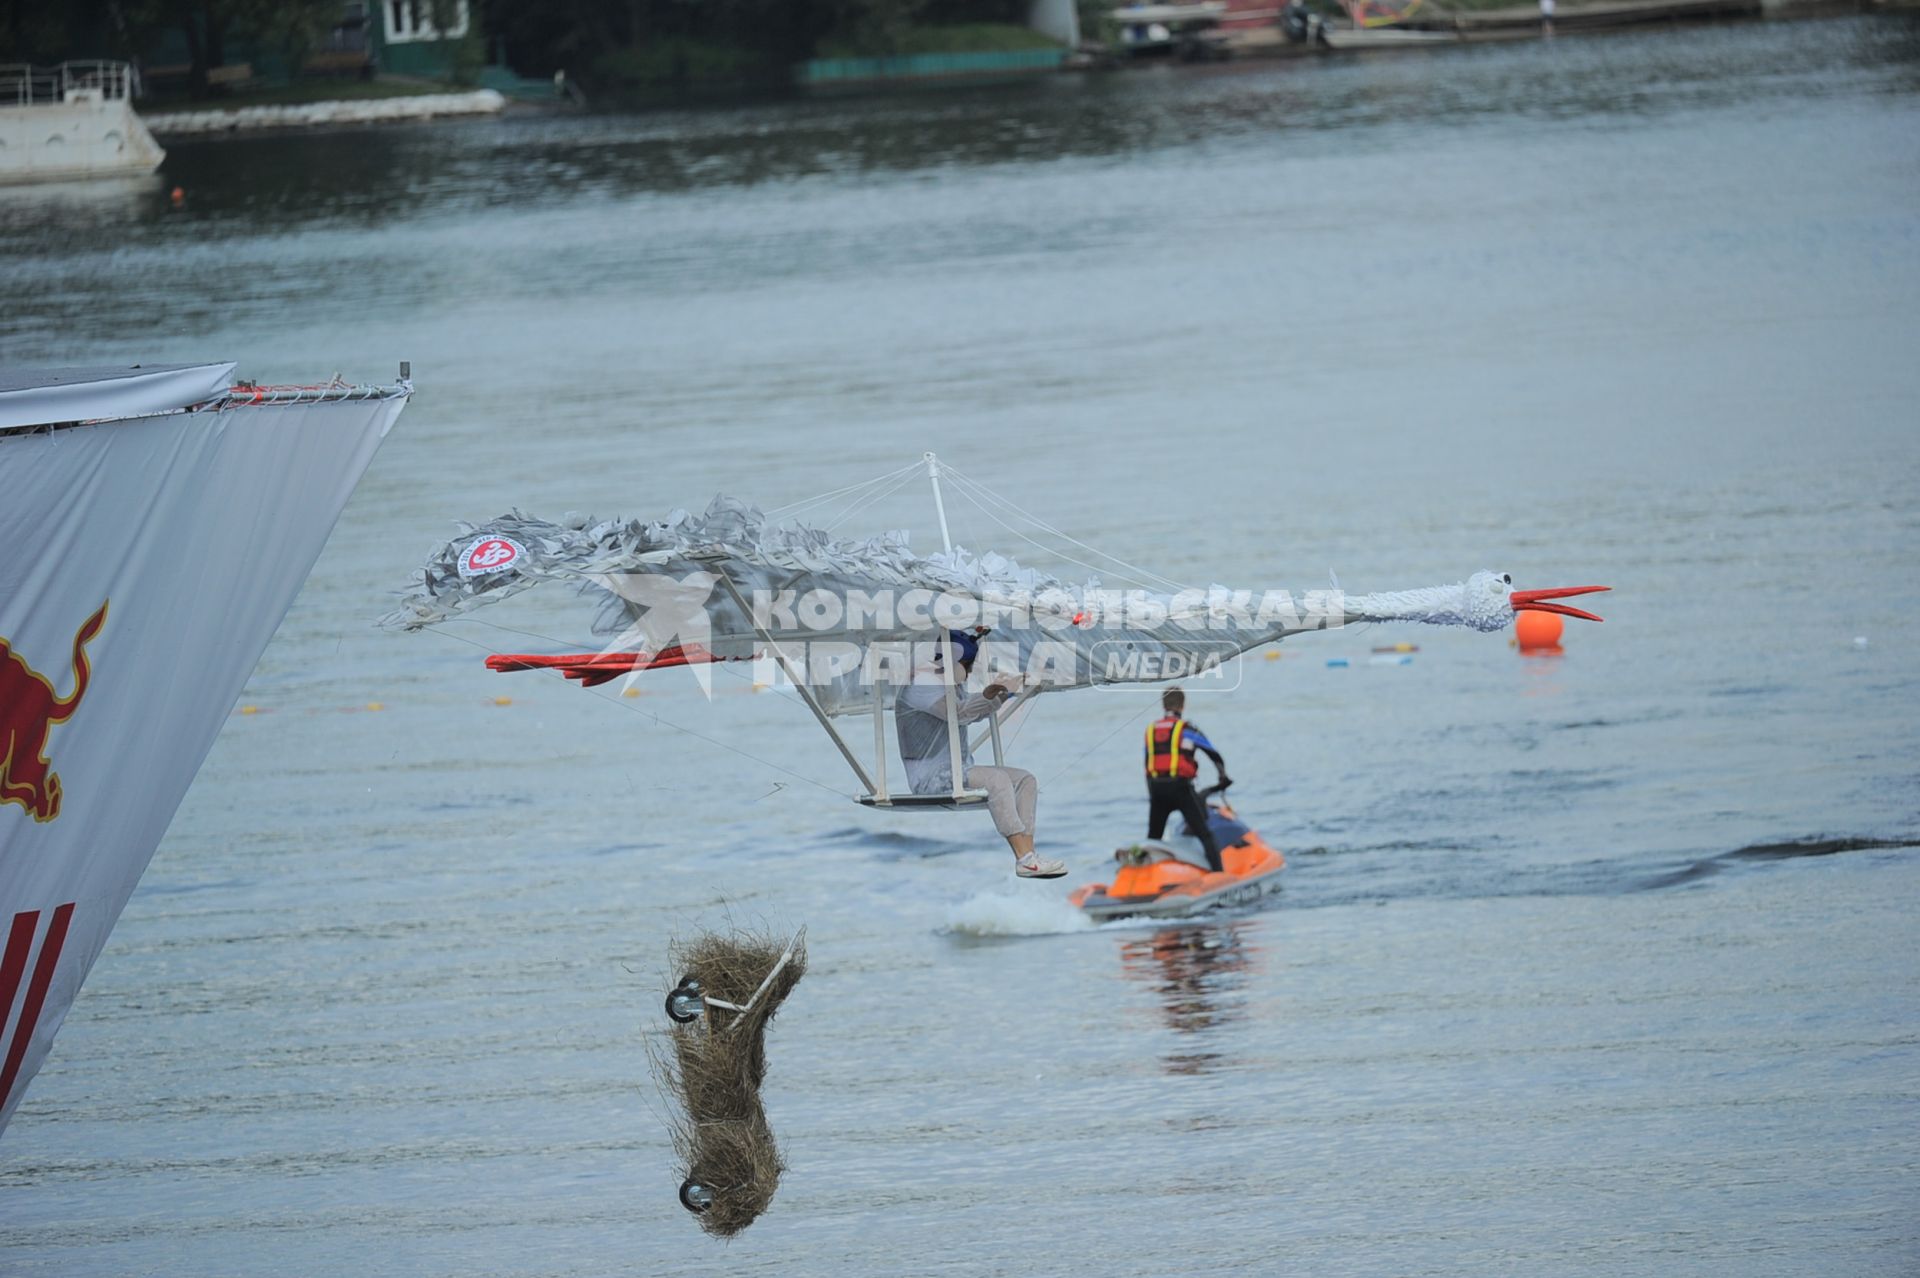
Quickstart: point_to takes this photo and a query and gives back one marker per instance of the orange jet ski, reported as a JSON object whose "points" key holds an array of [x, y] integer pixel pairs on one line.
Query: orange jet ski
{"points": [[1154, 881]]}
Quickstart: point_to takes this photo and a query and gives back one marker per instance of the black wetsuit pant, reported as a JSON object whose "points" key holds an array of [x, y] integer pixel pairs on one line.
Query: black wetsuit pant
{"points": [[1167, 795]]}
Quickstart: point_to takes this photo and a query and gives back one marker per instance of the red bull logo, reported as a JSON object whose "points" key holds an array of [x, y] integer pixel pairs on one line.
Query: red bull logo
{"points": [[28, 711]]}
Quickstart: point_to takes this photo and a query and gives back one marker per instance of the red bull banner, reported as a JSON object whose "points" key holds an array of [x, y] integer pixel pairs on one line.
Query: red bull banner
{"points": [[145, 561]]}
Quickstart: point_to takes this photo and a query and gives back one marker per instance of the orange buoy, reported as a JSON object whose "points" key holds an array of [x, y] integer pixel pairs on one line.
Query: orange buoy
{"points": [[1534, 631]]}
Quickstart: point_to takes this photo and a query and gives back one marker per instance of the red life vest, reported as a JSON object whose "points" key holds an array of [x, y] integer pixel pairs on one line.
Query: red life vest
{"points": [[1169, 753]]}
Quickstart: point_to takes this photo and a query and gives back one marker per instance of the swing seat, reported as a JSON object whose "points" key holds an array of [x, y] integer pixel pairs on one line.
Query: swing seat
{"points": [[968, 801]]}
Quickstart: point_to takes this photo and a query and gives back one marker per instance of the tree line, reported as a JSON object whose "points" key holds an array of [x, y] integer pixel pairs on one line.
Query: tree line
{"points": [[47, 31], [536, 36]]}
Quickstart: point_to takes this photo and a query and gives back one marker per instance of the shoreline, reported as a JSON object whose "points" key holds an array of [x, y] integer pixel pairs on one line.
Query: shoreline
{"points": [[305, 115], [1517, 22]]}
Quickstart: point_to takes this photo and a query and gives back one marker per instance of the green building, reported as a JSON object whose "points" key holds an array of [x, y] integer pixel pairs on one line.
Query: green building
{"points": [[404, 39], [423, 38]]}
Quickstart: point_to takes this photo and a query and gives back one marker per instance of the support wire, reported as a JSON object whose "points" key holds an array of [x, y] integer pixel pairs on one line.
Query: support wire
{"points": [[975, 491]]}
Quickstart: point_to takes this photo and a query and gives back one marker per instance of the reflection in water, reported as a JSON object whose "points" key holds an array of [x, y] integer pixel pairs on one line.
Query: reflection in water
{"points": [[83, 204], [1540, 671], [1198, 972]]}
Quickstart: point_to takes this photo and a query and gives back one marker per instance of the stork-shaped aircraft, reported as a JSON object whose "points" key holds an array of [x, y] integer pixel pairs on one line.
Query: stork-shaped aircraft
{"points": [[849, 622]]}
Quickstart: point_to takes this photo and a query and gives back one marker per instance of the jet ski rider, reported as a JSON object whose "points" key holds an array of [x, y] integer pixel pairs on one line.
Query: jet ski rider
{"points": [[1171, 768], [920, 717]]}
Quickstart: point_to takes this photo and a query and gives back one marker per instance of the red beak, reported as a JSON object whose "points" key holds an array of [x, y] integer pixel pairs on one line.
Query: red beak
{"points": [[1531, 601]]}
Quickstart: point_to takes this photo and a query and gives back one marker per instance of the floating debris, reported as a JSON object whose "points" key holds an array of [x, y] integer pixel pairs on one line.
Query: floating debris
{"points": [[730, 988]]}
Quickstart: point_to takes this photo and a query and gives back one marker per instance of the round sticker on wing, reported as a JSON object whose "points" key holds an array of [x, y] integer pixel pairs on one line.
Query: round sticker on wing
{"points": [[490, 554]]}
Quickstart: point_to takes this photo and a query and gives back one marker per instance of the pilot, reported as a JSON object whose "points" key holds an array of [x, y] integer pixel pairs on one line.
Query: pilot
{"points": [[920, 716], [1171, 767]]}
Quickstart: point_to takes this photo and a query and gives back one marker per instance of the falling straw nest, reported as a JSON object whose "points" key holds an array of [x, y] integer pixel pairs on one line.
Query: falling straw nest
{"points": [[714, 1067]]}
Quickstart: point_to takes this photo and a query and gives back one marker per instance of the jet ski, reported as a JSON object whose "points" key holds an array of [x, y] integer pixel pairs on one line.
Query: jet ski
{"points": [[1155, 881]]}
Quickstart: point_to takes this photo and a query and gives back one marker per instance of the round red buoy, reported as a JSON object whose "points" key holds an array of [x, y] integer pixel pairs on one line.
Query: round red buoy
{"points": [[1536, 630]]}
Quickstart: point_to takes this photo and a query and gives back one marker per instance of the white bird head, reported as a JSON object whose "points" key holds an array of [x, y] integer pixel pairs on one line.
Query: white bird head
{"points": [[1490, 597], [1485, 601]]}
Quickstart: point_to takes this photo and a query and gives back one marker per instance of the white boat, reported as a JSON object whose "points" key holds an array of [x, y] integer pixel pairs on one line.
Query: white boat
{"points": [[72, 121], [1185, 31], [1209, 11], [158, 522]]}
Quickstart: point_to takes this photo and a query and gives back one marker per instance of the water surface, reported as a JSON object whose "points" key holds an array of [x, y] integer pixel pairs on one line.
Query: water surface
{"points": [[1602, 963]]}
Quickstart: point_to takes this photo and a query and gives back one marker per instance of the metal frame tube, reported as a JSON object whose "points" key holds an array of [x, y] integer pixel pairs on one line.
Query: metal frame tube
{"points": [[799, 684], [243, 396], [882, 796], [236, 397], [954, 757]]}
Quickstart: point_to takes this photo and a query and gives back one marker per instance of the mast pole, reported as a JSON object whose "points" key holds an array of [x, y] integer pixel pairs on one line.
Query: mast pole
{"points": [[939, 506]]}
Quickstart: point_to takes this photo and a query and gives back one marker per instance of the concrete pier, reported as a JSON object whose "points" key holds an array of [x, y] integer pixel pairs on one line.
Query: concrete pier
{"points": [[71, 121]]}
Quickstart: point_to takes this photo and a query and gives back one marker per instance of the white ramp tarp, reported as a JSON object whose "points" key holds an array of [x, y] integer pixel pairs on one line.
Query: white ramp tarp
{"points": [[35, 398], [144, 564]]}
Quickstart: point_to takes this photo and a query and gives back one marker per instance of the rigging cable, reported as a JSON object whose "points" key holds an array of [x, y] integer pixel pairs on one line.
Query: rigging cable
{"points": [[792, 508], [866, 500], [972, 490], [1131, 716], [961, 488], [1141, 574]]}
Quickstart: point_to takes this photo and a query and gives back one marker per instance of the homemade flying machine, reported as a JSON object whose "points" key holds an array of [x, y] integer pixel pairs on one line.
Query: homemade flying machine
{"points": [[849, 621]]}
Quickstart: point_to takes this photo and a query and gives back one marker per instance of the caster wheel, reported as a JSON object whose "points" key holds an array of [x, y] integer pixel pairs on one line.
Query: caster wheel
{"points": [[684, 1005], [695, 1197]]}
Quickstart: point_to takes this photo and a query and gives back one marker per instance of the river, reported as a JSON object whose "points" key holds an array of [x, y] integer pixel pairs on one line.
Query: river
{"points": [[1602, 963]]}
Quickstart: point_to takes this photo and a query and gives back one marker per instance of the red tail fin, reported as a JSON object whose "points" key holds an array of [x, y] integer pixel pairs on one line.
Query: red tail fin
{"points": [[594, 668]]}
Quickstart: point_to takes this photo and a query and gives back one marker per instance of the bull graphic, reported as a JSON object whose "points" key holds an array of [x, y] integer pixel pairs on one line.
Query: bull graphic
{"points": [[28, 711]]}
